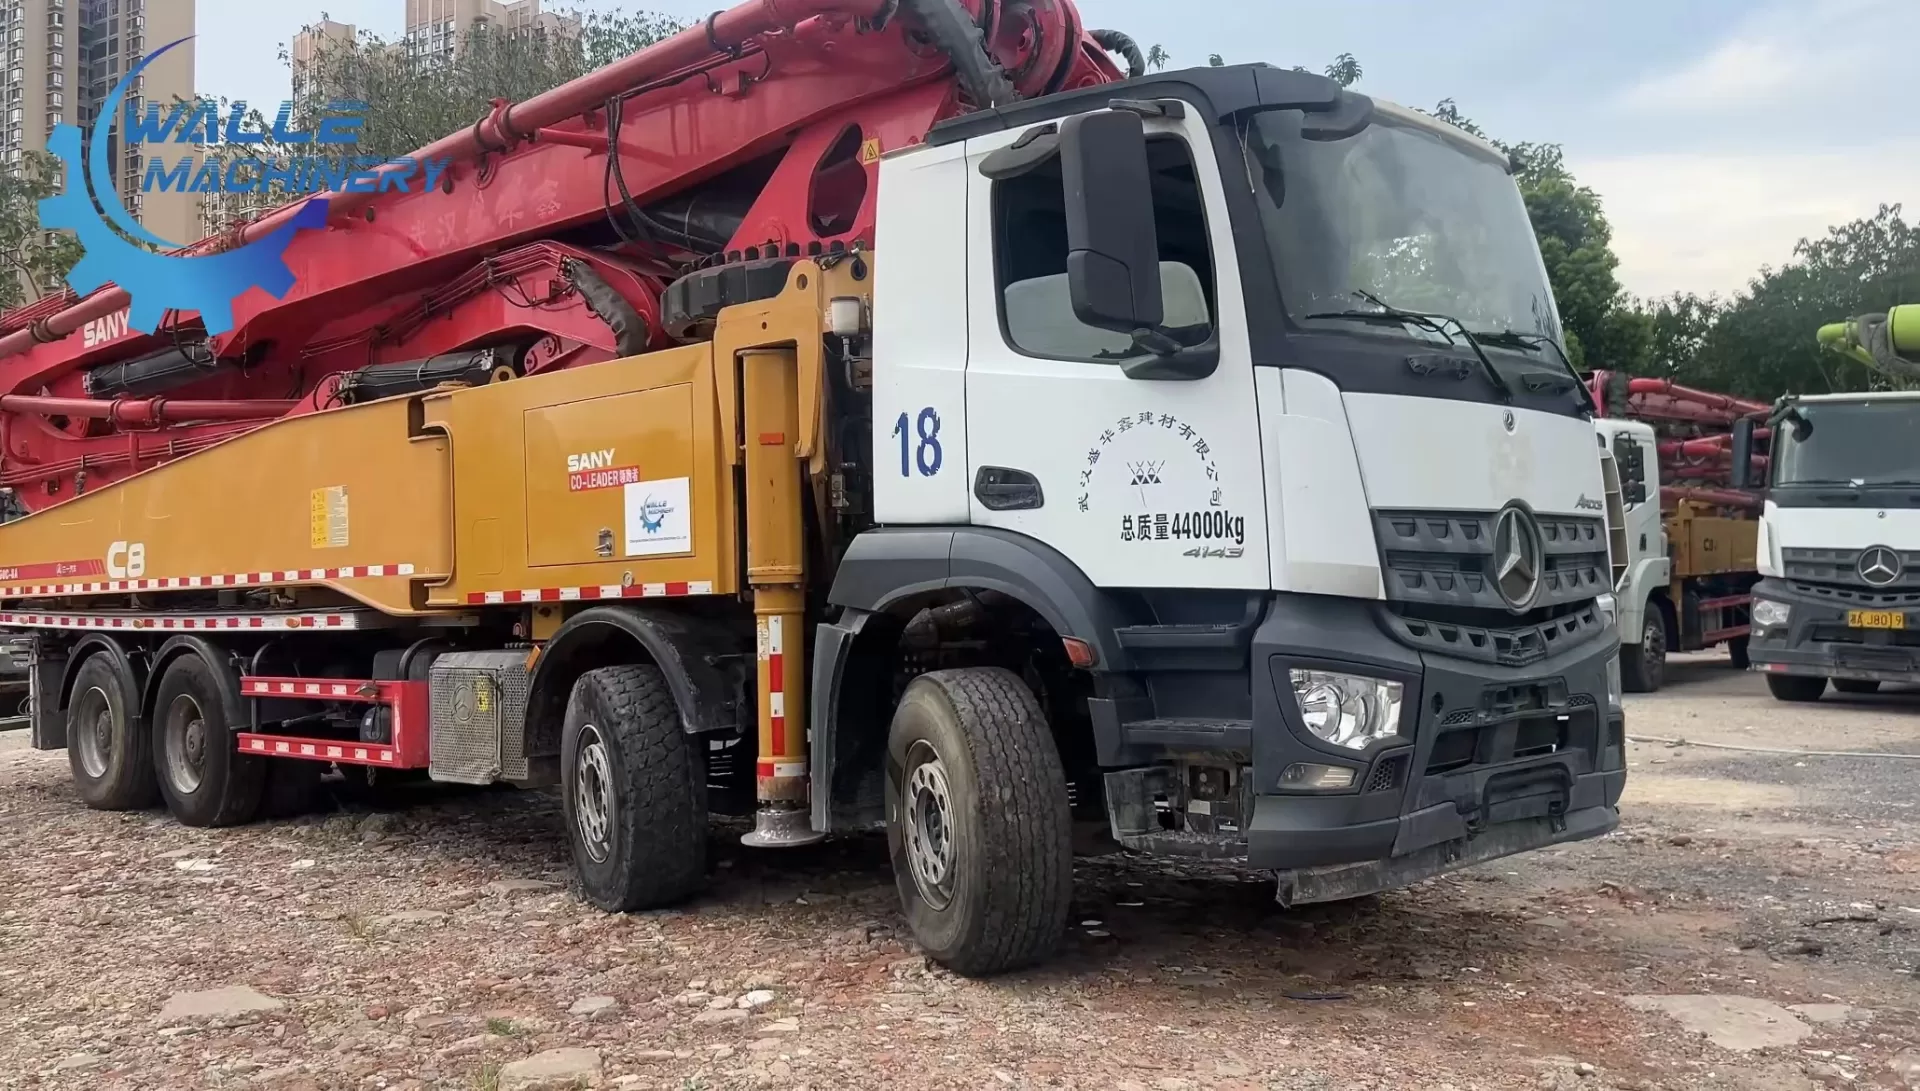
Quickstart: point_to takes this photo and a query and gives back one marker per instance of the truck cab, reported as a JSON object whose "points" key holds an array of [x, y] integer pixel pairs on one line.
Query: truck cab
{"points": [[1840, 546], [1256, 396], [1685, 568]]}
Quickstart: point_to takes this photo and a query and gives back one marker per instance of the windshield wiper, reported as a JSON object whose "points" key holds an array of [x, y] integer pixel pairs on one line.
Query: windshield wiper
{"points": [[1435, 322], [1534, 340]]}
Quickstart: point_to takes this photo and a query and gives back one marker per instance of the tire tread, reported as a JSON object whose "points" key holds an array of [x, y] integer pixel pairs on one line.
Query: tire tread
{"points": [[1024, 812], [658, 782]]}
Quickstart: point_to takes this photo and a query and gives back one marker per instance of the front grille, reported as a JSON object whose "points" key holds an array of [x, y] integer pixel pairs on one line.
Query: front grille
{"points": [[1387, 773], [1859, 597], [1516, 643], [1509, 740], [1841, 567], [1446, 558]]}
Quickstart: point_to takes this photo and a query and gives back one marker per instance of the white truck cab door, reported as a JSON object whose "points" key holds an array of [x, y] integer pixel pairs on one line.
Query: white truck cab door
{"points": [[1141, 483]]}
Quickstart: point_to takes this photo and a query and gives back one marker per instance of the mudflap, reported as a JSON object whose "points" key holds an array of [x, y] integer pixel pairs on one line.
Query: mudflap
{"points": [[1340, 882]]}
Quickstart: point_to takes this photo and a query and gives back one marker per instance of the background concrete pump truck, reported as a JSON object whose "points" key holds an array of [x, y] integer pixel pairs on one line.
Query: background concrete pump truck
{"points": [[926, 434], [1687, 552], [1840, 533]]}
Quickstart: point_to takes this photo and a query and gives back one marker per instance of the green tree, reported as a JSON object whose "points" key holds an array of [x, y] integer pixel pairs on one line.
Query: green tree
{"points": [[36, 261], [409, 102], [1215, 60], [1762, 344], [1157, 57], [1344, 70]]}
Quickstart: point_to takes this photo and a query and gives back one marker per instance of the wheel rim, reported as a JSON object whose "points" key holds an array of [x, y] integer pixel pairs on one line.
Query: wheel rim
{"points": [[593, 795], [186, 739], [929, 826], [94, 743]]}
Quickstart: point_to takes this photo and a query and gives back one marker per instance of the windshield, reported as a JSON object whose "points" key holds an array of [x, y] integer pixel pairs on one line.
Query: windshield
{"points": [[1855, 443], [1401, 214]]}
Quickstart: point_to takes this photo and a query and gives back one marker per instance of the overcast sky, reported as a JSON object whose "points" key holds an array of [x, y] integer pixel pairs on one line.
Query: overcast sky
{"points": [[1719, 132]]}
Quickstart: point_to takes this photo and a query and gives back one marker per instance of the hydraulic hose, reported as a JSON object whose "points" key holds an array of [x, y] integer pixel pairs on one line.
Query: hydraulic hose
{"points": [[1114, 41], [955, 33]]}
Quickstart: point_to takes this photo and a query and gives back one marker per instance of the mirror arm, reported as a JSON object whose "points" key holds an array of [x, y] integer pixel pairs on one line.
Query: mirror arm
{"points": [[1186, 364]]}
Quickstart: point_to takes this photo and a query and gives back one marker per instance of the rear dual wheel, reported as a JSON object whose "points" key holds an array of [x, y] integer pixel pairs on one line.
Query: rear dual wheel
{"points": [[203, 776], [108, 745]]}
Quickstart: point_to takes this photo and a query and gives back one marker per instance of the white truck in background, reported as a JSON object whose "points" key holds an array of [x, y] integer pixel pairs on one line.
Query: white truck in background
{"points": [[1839, 545]]}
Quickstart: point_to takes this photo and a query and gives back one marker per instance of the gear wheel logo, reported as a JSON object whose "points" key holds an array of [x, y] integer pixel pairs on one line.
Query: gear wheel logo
{"points": [[156, 283]]}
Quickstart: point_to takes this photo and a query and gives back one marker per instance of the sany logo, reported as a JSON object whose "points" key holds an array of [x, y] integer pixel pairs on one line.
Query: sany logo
{"points": [[592, 460], [102, 330]]}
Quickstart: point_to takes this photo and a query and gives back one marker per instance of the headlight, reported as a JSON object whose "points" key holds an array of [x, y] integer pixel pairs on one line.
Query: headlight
{"points": [[1345, 709], [1767, 612]]}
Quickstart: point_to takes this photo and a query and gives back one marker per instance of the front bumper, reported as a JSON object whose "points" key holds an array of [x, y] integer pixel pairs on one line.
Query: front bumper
{"points": [[1817, 641], [1491, 760]]}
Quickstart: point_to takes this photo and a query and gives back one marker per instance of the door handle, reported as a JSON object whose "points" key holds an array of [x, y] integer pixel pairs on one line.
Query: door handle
{"points": [[1001, 489]]}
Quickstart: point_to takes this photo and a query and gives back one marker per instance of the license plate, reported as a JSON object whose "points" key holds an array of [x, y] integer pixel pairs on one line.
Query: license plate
{"points": [[1876, 619]]}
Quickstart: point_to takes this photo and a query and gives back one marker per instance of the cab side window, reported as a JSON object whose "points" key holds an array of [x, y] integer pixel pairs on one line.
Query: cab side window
{"points": [[1030, 259]]}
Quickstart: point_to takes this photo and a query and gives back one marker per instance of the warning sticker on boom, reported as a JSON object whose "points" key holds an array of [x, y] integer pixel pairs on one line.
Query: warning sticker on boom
{"points": [[328, 516]]}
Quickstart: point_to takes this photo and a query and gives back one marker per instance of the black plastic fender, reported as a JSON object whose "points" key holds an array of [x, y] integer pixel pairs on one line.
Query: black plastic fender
{"points": [[701, 660], [218, 659]]}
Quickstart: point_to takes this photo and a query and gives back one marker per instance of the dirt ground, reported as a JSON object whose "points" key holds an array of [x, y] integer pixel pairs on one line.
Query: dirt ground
{"points": [[434, 946]]}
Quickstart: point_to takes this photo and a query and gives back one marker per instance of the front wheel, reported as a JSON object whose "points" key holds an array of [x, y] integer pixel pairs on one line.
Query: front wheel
{"points": [[977, 821], [634, 790], [1644, 668], [1859, 686], [1737, 650], [1793, 687]]}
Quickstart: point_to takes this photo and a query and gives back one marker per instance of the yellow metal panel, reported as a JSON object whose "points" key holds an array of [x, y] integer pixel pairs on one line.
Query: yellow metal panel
{"points": [[519, 522], [1706, 545], [607, 477], [341, 489]]}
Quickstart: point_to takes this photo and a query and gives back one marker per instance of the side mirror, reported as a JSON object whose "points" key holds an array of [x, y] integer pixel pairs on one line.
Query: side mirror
{"points": [[1742, 475], [1113, 248]]}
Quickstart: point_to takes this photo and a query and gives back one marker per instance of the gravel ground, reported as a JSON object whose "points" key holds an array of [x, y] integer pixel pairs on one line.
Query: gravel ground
{"points": [[433, 945]]}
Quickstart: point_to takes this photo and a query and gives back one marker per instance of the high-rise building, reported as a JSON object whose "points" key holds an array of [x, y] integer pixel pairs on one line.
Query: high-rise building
{"points": [[310, 44], [437, 28], [64, 58]]}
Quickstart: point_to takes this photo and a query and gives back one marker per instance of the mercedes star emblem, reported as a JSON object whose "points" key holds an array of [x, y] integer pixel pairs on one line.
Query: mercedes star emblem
{"points": [[1507, 421], [1879, 566], [1517, 554]]}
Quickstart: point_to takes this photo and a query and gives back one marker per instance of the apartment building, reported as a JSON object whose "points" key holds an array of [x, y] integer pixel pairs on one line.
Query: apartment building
{"points": [[310, 44], [65, 56], [435, 28]]}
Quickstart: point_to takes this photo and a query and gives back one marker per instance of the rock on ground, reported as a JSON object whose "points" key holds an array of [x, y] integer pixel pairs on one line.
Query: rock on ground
{"points": [[223, 1003], [554, 1070], [1738, 1023]]}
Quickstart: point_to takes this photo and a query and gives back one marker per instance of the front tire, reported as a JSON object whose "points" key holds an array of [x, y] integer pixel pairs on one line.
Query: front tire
{"points": [[1793, 687], [977, 821], [635, 791], [205, 778], [1738, 651], [1858, 686], [108, 747], [1644, 668]]}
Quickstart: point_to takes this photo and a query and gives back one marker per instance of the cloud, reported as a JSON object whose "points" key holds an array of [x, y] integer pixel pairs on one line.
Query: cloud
{"points": [[1789, 51], [1707, 222]]}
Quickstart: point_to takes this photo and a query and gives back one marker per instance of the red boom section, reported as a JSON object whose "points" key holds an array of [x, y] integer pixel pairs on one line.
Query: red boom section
{"points": [[551, 238], [1694, 429]]}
